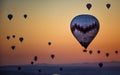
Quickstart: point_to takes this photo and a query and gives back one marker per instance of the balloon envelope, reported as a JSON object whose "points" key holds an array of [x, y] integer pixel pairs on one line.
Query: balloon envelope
{"points": [[13, 47], [25, 16], [10, 16], [100, 65], [84, 28], [88, 5], [35, 58], [8, 37], [52, 56], [90, 52], [108, 5], [21, 39]]}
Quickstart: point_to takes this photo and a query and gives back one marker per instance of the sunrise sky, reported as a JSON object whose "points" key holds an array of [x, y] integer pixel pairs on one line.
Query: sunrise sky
{"points": [[49, 20]]}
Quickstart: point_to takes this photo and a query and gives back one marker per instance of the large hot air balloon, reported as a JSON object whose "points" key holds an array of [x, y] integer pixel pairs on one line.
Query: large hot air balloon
{"points": [[52, 56], [21, 39], [25, 16], [35, 58], [100, 65], [84, 28], [8, 37], [108, 5], [10, 16], [88, 5]]}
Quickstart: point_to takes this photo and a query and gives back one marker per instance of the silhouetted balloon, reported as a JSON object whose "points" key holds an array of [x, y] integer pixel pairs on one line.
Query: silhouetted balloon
{"points": [[13, 36], [116, 52], [13, 47], [84, 28], [25, 16], [49, 43], [88, 5], [100, 65], [90, 51], [35, 58], [39, 70], [19, 68], [61, 69], [98, 52], [108, 5], [32, 62], [52, 56], [21, 39], [8, 37], [107, 54], [10, 16]]}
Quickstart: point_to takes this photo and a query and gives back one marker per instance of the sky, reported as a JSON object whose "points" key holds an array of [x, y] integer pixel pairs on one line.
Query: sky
{"points": [[49, 20]]}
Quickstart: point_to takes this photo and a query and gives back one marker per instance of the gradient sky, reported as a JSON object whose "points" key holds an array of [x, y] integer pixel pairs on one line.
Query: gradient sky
{"points": [[49, 20]]}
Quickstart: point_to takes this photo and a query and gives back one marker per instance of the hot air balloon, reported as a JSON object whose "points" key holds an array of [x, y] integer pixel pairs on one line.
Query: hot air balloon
{"points": [[32, 62], [98, 52], [52, 56], [21, 39], [13, 47], [39, 70], [84, 28], [25, 16], [88, 5], [10, 16], [100, 65], [61, 69], [35, 58], [116, 52], [108, 5], [19, 68], [90, 51], [8, 37], [49, 43], [107, 54], [13, 36]]}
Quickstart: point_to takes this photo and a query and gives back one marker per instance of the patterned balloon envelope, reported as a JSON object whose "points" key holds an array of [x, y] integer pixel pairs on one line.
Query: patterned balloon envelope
{"points": [[84, 28]]}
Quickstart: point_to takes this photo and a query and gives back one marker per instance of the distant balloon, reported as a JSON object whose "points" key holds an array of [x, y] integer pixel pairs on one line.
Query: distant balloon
{"points": [[52, 56], [21, 39], [13, 47], [39, 70], [116, 52], [108, 5], [19, 68], [84, 28], [98, 52], [25, 16], [10, 16], [13, 36], [107, 54], [8, 37], [90, 51], [100, 65], [32, 62], [88, 5], [49, 43], [35, 58], [61, 69]]}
